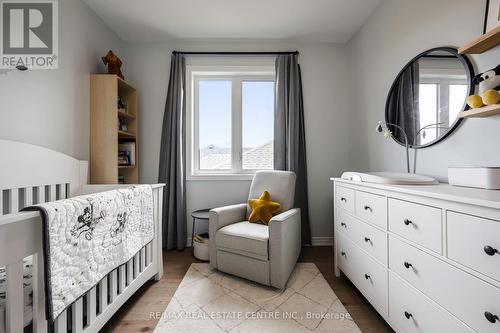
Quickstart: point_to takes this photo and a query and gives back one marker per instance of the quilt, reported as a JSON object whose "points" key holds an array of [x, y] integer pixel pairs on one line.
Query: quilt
{"points": [[87, 237]]}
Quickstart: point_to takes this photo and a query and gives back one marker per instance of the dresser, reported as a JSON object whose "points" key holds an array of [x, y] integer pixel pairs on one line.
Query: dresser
{"points": [[426, 257]]}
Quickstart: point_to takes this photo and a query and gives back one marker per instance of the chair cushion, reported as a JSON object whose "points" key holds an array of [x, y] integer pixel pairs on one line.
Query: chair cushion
{"points": [[245, 238]]}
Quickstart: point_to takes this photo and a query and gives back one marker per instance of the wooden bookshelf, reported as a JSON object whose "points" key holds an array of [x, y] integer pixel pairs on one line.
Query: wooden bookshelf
{"points": [[105, 134], [483, 112], [482, 43]]}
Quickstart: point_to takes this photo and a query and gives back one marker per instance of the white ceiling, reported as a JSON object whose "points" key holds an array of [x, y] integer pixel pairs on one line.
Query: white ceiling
{"points": [[161, 20]]}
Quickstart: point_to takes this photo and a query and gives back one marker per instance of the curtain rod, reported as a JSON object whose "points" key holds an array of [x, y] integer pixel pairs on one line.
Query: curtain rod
{"points": [[237, 53]]}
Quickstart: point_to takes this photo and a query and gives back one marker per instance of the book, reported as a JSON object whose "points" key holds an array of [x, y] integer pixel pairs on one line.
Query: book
{"points": [[127, 148]]}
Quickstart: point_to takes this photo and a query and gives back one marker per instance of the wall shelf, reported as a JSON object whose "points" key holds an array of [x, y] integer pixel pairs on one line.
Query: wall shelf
{"points": [[483, 43], [485, 111]]}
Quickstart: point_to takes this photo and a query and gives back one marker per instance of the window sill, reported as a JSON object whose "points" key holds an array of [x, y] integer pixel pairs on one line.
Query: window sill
{"points": [[221, 177]]}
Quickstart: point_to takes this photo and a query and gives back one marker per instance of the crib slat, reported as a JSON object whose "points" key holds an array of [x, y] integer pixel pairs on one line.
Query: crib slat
{"points": [[130, 271], [39, 322], [143, 259], [41, 194], [91, 306], [15, 297], [14, 201], [1, 202], [148, 253], [136, 266], [121, 279], [28, 196], [62, 191], [113, 285], [52, 193], [77, 316], [61, 323], [103, 294]]}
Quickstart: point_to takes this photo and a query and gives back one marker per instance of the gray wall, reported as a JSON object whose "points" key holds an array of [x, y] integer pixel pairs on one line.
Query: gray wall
{"points": [[324, 68], [396, 32], [50, 108]]}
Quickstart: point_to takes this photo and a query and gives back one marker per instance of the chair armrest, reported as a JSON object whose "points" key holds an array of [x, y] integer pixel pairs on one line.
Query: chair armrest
{"points": [[222, 216], [219, 218], [284, 245]]}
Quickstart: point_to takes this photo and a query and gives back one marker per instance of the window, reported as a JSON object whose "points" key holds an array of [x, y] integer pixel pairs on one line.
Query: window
{"points": [[439, 102], [231, 120]]}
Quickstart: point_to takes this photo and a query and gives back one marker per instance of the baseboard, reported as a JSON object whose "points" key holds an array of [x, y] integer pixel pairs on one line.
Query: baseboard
{"points": [[322, 241], [316, 241]]}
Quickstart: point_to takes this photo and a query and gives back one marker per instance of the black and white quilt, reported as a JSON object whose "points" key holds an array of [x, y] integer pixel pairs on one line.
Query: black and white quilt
{"points": [[86, 237]]}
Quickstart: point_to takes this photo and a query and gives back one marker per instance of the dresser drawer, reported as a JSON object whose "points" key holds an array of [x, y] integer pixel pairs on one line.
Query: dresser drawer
{"points": [[418, 223], [370, 239], [368, 275], [472, 242], [372, 208], [412, 312], [462, 294], [344, 198]]}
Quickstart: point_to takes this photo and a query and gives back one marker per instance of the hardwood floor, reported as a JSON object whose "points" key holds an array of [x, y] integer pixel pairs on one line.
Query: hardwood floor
{"points": [[139, 314]]}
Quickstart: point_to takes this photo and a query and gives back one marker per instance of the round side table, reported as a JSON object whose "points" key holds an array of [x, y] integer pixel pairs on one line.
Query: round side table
{"points": [[201, 214]]}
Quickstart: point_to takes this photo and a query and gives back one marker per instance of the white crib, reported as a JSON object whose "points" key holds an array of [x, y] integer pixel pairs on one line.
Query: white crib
{"points": [[28, 175]]}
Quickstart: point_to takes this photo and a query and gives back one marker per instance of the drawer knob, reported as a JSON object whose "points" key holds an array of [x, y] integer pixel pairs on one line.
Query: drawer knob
{"points": [[343, 253], [490, 251], [490, 317], [408, 222], [343, 199], [368, 208], [367, 239], [407, 264], [343, 224], [367, 276], [408, 315]]}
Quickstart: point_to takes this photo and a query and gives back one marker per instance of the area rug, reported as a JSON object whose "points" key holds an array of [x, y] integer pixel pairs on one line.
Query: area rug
{"points": [[212, 302]]}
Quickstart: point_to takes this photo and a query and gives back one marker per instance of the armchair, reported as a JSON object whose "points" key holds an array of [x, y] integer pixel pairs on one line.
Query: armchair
{"points": [[262, 253]]}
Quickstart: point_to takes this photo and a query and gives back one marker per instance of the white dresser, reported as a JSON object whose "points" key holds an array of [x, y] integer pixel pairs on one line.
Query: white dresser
{"points": [[426, 257]]}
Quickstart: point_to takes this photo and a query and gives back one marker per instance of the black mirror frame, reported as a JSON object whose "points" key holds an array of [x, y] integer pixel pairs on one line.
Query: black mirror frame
{"points": [[470, 75]]}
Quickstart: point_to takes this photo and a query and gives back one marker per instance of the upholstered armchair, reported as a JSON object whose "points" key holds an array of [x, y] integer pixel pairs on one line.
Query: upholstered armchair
{"points": [[262, 253]]}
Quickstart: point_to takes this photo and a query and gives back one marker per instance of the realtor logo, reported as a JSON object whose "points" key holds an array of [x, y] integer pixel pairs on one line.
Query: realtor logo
{"points": [[29, 34]]}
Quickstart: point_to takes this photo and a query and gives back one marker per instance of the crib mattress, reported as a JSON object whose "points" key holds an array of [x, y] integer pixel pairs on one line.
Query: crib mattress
{"points": [[28, 293]]}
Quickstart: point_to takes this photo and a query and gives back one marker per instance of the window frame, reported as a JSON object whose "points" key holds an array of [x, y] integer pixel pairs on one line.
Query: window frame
{"points": [[236, 74]]}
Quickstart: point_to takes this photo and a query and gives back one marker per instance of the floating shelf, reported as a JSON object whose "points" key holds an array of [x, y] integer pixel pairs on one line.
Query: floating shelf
{"points": [[126, 135], [485, 111], [126, 115], [482, 43]]}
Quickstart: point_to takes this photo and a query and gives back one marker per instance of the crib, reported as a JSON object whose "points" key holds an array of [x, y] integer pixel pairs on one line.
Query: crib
{"points": [[28, 175]]}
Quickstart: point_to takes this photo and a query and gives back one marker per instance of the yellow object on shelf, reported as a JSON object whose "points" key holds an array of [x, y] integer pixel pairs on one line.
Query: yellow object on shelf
{"points": [[491, 97], [475, 101]]}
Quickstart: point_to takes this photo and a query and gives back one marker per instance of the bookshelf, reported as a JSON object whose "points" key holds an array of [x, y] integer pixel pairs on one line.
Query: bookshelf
{"points": [[107, 136]]}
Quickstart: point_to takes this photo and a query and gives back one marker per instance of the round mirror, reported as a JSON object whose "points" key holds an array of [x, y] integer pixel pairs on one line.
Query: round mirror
{"points": [[428, 95]]}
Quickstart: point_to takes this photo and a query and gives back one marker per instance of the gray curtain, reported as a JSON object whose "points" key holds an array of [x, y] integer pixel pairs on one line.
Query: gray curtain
{"points": [[172, 157], [403, 104], [289, 132]]}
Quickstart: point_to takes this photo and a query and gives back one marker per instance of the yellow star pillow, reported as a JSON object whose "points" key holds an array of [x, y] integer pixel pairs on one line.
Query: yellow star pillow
{"points": [[263, 208]]}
